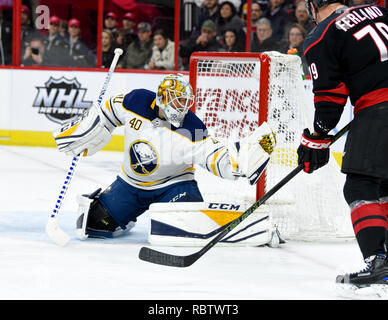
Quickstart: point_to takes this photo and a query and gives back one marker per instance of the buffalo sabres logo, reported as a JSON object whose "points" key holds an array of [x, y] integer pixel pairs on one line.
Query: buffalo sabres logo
{"points": [[143, 157]]}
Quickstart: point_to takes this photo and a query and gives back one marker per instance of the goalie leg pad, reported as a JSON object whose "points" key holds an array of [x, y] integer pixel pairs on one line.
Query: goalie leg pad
{"points": [[194, 224], [84, 202]]}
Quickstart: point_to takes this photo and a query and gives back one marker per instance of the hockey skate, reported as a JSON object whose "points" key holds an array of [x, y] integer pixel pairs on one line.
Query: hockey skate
{"points": [[375, 272], [369, 283]]}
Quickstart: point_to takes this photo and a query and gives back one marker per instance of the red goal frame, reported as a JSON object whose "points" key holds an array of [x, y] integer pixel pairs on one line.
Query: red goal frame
{"points": [[263, 86]]}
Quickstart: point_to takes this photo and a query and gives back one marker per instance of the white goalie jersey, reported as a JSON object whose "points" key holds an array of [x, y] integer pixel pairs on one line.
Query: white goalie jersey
{"points": [[157, 154]]}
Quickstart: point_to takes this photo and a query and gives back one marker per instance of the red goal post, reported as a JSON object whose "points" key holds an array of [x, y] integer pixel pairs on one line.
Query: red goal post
{"points": [[196, 57]]}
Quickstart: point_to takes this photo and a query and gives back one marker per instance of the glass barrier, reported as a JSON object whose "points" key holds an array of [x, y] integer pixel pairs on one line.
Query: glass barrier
{"points": [[212, 25], [64, 33], [6, 33], [58, 33], [144, 30]]}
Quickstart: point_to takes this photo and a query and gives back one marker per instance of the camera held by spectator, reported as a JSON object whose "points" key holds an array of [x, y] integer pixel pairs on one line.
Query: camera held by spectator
{"points": [[34, 52]]}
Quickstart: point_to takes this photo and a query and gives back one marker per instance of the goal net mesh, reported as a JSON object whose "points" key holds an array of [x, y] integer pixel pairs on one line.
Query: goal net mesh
{"points": [[228, 93]]}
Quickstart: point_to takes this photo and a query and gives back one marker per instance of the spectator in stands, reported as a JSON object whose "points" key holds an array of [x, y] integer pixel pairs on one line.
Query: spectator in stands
{"points": [[63, 27], [228, 19], [162, 52], [127, 31], [256, 13], [264, 4], [78, 52], [278, 17], [295, 36], [5, 40], [110, 23], [208, 11], [119, 41], [139, 51], [34, 52], [289, 6], [206, 41], [302, 17], [230, 41], [107, 47], [236, 3], [54, 44], [27, 28], [263, 39]]}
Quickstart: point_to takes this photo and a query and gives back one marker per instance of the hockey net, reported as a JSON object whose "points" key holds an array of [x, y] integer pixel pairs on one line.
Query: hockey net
{"points": [[236, 92]]}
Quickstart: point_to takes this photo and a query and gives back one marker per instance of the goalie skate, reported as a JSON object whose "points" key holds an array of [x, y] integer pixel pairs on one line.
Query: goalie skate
{"points": [[101, 225]]}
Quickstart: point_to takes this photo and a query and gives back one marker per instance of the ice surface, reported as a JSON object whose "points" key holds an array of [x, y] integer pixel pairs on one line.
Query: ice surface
{"points": [[32, 267]]}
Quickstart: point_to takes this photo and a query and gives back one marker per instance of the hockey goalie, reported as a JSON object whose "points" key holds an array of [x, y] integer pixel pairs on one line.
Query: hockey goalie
{"points": [[164, 141]]}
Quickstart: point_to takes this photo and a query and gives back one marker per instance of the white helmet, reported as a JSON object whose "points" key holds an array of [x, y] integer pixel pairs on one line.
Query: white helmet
{"points": [[174, 97]]}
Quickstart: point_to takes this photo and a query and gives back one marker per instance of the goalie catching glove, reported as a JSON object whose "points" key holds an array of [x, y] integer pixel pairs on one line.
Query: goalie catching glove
{"points": [[87, 134], [254, 153], [313, 151]]}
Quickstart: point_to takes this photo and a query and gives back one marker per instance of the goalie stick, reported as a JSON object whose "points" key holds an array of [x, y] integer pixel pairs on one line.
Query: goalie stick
{"points": [[53, 230], [157, 257]]}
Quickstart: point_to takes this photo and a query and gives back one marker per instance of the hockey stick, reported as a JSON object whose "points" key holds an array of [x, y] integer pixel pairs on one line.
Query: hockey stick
{"points": [[53, 230], [171, 260]]}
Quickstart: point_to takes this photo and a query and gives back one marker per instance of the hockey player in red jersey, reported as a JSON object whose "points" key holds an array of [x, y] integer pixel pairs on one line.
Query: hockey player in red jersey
{"points": [[347, 54]]}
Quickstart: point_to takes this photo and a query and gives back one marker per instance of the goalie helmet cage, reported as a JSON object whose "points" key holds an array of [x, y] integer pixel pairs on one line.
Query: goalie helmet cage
{"points": [[235, 93]]}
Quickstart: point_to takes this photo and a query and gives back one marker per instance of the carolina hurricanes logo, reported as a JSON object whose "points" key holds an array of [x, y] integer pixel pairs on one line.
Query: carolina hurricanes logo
{"points": [[143, 157]]}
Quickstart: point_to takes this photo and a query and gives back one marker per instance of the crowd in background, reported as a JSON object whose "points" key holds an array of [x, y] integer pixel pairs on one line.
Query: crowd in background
{"points": [[276, 25], [61, 46]]}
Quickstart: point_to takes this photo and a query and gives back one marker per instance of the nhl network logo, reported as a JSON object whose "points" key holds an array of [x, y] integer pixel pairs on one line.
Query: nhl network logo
{"points": [[61, 99]]}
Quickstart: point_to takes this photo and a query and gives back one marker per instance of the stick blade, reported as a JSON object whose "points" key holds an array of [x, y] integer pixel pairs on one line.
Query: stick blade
{"points": [[165, 259], [56, 234]]}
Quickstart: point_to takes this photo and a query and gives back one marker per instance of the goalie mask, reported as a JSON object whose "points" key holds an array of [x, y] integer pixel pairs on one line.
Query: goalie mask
{"points": [[174, 97]]}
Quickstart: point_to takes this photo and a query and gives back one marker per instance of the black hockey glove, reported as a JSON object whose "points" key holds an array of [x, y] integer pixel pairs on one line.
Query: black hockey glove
{"points": [[313, 151]]}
